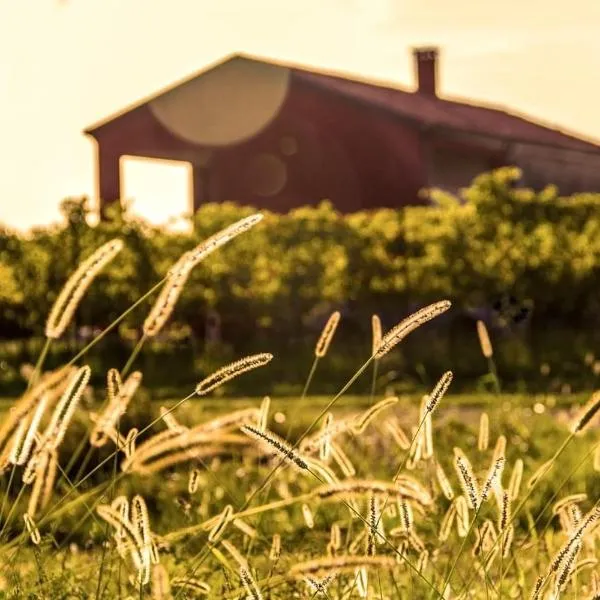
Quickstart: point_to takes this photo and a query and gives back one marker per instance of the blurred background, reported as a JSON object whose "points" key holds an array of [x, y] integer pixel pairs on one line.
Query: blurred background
{"points": [[402, 152]]}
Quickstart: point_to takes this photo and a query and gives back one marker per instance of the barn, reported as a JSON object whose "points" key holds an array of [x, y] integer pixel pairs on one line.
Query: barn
{"points": [[277, 136]]}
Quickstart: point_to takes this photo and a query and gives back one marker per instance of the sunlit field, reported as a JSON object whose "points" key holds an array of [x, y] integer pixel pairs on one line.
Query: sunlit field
{"points": [[75, 541], [107, 493]]}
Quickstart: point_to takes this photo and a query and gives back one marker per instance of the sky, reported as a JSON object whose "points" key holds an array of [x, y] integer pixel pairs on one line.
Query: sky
{"points": [[66, 64]]}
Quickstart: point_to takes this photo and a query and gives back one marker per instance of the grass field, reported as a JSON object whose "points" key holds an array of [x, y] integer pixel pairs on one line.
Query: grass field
{"points": [[77, 557], [110, 495]]}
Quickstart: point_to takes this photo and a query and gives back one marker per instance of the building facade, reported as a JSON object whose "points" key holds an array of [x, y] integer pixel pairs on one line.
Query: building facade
{"points": [[276, 137]]}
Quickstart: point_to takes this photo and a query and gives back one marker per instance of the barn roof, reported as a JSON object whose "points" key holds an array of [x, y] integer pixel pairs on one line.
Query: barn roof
{"points": [[426, 111]]}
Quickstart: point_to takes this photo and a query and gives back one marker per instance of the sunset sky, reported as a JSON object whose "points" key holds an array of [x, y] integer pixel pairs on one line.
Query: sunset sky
{"points": [[65, 64]]}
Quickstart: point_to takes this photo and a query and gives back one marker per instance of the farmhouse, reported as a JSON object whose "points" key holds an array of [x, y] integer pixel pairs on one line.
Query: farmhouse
{"points": [[277, 136]]}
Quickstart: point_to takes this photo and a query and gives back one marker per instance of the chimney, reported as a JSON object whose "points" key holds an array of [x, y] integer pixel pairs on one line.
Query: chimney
{"points": [[425, 60]]}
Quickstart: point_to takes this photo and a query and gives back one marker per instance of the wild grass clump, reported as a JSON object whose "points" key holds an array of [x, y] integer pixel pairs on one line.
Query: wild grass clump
{"points": [[274, 501]]}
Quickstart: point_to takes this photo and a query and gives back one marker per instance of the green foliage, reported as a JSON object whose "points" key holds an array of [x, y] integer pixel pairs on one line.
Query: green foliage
{"points": [[281, 281]]}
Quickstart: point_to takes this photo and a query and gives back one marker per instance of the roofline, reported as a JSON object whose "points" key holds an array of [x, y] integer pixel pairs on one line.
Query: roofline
{"points": [[422, 126], [232, 56], [361, 80], [146, 99], [514, 140]]}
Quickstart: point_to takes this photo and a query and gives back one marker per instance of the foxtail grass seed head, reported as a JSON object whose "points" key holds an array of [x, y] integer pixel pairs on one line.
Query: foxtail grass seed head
{"points": [[574, 540], [361, 422], [308, 516], [401, 551], [52, 383], [311, 444], [232, 370], [335, 537], [31, 469], [416, 452], [537, 588], [493, 478], [322, 471], [194, 481], [427, 434], [319, 586], [129, 443], [246, 529], [325, 443], [376, 333], [71, 294], [507, 539], [217, 531], [180, 271], [406, 515], [219, 239], [403, 487], [362, 582], [191, 583], [357, 542], [235, 553], [565, 568], [565, 522], [119, 397], [584, 565], [462, 516], [415, 541], [484, 340], [49, 478], [374, 519], [342, 460], [408, 325], [587, 413], [514, 485], [170, 421], [121, 505], [466, 477], [18, 442], [65, 409], [447, 522], [275, 552], [567, 501], [439, 390], [483, 440], [130, 533], [398, 435], [250, 585], [499, 448], [167, 298], [443, 481], [263, 418], [38, 484], [539, 473], [575, 515], [32, 529], [113, 384], [327, 334], [422, 561], [274, 444], [322, 567], [488, 536], [505, 514], [161, 587], [141, 521]]}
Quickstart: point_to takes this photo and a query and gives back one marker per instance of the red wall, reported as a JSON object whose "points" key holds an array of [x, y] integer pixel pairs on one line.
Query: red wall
{"points": [[352, 154]]}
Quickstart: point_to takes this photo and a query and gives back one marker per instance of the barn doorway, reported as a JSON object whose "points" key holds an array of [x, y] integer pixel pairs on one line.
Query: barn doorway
{"points": [[159, 191]]}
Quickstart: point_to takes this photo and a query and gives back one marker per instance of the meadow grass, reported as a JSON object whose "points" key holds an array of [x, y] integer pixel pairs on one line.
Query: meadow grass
{"points": [[116, 496], [71, 551]]}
